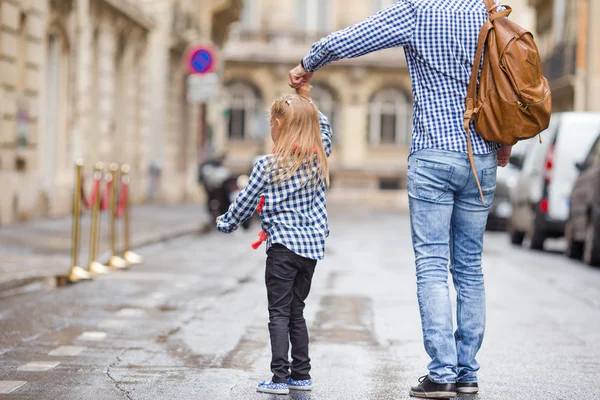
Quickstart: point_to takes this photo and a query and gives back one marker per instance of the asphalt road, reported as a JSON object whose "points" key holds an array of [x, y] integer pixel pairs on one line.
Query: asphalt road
{"points": [[191, 323]]}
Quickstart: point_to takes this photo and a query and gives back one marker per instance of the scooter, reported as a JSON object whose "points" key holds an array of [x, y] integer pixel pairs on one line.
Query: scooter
{"points": [[221, 186]]}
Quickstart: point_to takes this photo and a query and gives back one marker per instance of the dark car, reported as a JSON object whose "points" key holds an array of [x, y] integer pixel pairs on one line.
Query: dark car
{"points": [[583, 226]]}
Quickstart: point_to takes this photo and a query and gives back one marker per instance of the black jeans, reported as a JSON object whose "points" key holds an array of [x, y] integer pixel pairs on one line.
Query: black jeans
{"points": [[288, 277]]}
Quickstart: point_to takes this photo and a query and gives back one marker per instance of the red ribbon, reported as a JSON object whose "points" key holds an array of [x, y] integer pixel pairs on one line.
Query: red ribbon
{"points": [[262, 236], [95, 192], [105, 198], [123, 199]]}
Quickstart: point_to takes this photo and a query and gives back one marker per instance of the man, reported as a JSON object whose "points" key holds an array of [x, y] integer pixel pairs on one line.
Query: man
{"points": [[448, 216]]}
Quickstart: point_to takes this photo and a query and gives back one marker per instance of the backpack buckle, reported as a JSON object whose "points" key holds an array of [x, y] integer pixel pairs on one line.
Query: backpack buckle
{"points": [[523, 106]]}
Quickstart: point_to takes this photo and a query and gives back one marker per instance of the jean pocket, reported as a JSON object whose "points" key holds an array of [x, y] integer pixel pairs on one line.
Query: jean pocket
{"points": [[488, 184], [432, 179]]}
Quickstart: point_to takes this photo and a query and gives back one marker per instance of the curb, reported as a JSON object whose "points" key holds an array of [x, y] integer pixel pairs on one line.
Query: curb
{"points": [[13, 284]]}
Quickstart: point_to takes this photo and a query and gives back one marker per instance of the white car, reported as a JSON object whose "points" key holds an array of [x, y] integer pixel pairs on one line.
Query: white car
{"points": [[540, 198]]}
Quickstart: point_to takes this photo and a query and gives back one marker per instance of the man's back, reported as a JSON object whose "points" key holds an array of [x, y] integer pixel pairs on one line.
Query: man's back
{"points": [[440, 41], [440, 58]]}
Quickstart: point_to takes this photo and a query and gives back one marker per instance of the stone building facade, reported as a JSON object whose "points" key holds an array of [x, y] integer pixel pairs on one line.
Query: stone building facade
{"points": [[368, 99], [569, 40], [102, 80]]}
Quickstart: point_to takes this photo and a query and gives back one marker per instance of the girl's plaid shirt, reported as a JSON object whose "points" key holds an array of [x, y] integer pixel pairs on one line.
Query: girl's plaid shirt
{"points": [[295, 211]]}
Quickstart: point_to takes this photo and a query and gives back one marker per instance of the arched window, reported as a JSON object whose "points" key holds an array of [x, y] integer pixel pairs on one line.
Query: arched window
{"points": [[325, 101], [390, 118], [313, 16], [244, 109]]}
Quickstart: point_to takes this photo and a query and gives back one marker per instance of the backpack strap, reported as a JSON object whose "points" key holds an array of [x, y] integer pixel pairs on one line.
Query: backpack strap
{"points": [[489, 4], [472, 96]]}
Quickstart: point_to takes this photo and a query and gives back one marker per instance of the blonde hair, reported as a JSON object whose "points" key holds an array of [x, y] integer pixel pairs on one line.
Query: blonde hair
{"points": [[299, 146]]}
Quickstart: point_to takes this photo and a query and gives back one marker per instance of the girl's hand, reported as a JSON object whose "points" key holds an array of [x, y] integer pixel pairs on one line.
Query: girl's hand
{"points": [[217, 221], [304, 90]]}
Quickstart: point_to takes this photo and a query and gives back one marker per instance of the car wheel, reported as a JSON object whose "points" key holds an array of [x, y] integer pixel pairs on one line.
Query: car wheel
{"points": [[591, 254], [574, 249], [516, 237], [536, 237]]}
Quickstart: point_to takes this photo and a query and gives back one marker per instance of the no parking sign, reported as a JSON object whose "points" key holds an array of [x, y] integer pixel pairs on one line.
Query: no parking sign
{"points": [[200, 60], [202, 81]]}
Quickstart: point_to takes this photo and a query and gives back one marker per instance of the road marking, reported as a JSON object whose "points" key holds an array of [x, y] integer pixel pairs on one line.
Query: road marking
{"points": [[92, 336], [10, 386], [112, 323], [131, 313], [67, 351], [38, 366]]}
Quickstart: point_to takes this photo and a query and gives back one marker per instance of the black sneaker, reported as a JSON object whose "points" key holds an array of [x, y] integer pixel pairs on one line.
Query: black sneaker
{"points": [[467, 388], [431, 390]]}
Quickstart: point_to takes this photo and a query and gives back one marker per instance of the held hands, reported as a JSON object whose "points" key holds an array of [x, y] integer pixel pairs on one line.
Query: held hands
{"points": [[299, 77], [504, 155]]}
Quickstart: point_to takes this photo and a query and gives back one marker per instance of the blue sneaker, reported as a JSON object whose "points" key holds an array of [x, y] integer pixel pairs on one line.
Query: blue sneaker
{"points": [[299, 385], [272, 388]]}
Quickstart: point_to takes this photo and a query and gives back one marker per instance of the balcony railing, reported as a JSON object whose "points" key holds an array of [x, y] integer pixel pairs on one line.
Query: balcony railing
{"points": [[264, 45]]}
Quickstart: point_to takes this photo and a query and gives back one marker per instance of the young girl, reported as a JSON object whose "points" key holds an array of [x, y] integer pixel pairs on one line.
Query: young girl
{"points": [[290, 186]]}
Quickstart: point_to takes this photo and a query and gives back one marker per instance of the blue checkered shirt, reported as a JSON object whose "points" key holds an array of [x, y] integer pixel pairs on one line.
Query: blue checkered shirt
{"points": [[295, 211], [440, 40]]}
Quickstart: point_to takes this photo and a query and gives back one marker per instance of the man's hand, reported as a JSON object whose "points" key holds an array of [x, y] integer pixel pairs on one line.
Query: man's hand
{"points": [[504, 155], [304, 90], [299, 77]]}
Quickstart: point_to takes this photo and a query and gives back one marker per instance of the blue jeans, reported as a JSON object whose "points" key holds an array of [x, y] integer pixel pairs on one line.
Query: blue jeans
{"points": [[448, 222]]}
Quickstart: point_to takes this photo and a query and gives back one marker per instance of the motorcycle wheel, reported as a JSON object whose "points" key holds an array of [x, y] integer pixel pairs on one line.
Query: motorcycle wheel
{"points": [[247, 224]]}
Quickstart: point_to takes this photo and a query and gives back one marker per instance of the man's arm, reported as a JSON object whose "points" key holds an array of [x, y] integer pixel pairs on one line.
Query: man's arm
{"points": [[391, 27], [245, 204]]}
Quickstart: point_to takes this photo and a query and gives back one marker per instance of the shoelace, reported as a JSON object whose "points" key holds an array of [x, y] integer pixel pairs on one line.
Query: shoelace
{"points": [[422, 379]]}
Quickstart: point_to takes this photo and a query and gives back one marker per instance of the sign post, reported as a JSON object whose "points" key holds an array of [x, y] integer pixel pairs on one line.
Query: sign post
{"points": [[202, 84]]}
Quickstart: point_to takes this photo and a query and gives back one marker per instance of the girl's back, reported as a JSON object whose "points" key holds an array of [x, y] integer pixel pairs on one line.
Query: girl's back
{"points": [[292, 181]]}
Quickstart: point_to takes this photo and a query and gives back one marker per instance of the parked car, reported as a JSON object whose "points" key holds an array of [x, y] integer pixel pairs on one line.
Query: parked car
{"points": [[541, 196], [583, 227], [502, 209]]}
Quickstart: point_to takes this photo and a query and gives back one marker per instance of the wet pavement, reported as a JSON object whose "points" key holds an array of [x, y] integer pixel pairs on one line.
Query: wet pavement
{"points": [[42, 248], [191, 323]]}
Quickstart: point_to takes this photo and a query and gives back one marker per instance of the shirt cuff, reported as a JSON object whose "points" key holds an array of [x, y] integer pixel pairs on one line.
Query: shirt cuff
{"points": [[305, 62], [225, 224]]}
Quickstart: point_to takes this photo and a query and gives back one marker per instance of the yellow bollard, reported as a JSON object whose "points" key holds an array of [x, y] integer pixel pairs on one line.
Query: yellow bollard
{"points": [[129, 256], [115, 262], [95, 267], [77, 273]]}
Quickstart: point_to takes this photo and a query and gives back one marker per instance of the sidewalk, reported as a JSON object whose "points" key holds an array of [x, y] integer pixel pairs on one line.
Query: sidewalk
{"points": [[42, 248]]}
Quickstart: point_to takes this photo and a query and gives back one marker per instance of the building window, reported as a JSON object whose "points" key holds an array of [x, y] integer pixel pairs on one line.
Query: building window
{"points": [[390, 118], [313, 16], [244, 105], [325, 101], [249, 16], [379, 5]]}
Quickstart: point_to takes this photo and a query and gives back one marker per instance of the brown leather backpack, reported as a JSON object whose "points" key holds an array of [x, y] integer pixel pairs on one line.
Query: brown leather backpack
{"points": [[513, 102]]}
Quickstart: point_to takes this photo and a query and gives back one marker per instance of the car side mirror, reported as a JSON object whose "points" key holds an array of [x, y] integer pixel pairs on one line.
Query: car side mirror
{"points": [[516, 161]]}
